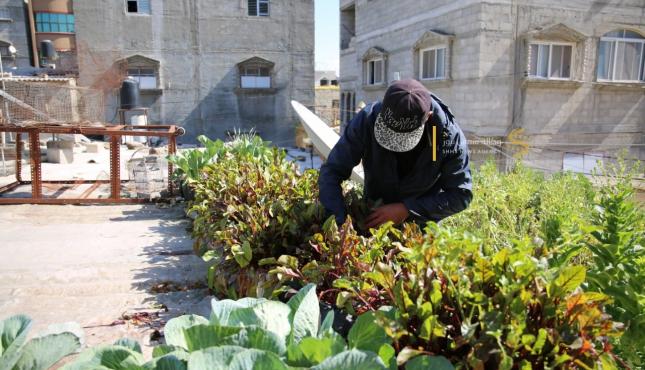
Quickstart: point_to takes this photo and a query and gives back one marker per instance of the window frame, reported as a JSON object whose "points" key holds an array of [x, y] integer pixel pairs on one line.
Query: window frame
{"points": [[39, 23], [551, 44], [614, 41], [445, 59], [155, 74], [368, 64], [5, 15], [138, 12], [258, 13], [264, 72]]}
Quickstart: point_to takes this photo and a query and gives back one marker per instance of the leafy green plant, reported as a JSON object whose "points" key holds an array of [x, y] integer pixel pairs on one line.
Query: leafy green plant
{"points": [[486, 306], [42, 351], [249, 210], [523, 203], [338, 257], [612, 244], [250, 334], [189, 163]]}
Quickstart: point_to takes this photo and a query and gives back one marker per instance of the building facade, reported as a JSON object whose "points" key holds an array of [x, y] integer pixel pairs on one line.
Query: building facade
{"points": [[327, 105], [559, 84], [214, 67], [14, 32]]}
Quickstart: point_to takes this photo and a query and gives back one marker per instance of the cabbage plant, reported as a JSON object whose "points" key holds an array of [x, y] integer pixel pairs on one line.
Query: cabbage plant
{"points": [[253, 333], [42, 351]]}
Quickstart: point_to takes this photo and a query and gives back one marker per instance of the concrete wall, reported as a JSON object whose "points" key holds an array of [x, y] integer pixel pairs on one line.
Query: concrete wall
{"points": [[198, 44], [487, 61], [14, 31], [325, 108]]}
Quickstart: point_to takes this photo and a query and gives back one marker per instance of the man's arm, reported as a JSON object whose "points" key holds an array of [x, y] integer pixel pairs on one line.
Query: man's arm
{"points": [[455, 181], [345, 155]]}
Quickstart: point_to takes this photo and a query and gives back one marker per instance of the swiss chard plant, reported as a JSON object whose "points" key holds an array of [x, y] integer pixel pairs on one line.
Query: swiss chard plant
{"points": [[40, 352], [253, 333], [482, 306], [250, 210]]}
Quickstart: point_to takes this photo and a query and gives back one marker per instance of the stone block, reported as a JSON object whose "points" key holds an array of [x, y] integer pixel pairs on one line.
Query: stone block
{"points": [[96, 147], [60, 152]]}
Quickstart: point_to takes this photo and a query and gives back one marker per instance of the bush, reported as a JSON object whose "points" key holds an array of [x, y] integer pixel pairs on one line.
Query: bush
{"points": [[248, 210]]}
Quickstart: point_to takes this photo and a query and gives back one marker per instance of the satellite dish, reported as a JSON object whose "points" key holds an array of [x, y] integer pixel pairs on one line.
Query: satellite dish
{"points": [[12, 49]]}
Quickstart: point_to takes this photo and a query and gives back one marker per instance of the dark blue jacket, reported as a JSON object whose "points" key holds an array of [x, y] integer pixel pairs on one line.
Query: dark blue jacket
{"points": [[433, 190]]}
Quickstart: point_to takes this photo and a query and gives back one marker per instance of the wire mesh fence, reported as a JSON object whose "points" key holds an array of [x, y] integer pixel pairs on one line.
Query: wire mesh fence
{"points": [[50, 102]]}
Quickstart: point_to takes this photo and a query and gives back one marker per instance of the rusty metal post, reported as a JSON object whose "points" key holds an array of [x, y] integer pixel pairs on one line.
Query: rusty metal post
{"points": [[115, 166], [172, 149], [34, 159], [18, 157]]}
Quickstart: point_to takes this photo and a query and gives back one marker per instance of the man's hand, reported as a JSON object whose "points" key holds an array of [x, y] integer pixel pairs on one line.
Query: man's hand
{"points": [[395, 212]]}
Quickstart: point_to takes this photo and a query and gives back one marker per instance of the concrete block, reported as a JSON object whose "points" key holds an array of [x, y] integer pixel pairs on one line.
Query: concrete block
{"points": [[60, 152], [96, 147]]}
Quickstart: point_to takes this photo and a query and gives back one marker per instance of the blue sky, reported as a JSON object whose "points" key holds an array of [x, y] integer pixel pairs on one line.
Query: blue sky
{"points": [[327, 34]]}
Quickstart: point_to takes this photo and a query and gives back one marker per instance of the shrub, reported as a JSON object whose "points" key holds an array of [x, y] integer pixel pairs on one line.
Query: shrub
{"points": [[42, 351], [483, 306], [249, 210]]}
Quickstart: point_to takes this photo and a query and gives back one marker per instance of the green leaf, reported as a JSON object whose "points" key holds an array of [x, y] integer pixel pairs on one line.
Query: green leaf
{"points": [[174, 329], [204, 336], [432, 328], [13, 334], [253, 359], [313, 351], [352, 360], [129, 343], [305, 314], [216, 358], [221, 310], [326, 327], [367, 334], [177, 360], [257, 338], [43, 352], [164, 349], [270, 315], [288, 261], [426, 362], [110, 357], [242, 253], [388, 355], [570, 278]]}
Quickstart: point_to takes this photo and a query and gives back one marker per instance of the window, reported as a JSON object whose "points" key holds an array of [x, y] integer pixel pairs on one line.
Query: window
{"points": [[432, 63], [146, 77], [374, 71], [256, 78], [621, 57], [138, 6], [324, 81], [4, 49], [55, 22], [5, 15], [550, 61], [259, 8]]}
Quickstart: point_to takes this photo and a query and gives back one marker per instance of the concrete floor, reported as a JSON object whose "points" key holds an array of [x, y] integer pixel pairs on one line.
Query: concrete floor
{"points": [[99, 265]]}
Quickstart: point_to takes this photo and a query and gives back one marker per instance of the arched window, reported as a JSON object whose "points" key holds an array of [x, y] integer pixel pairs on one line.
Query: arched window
{"points": [[144, 70], [255, 73], [621, 57]]}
